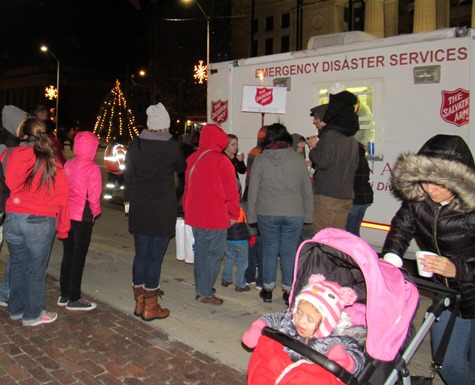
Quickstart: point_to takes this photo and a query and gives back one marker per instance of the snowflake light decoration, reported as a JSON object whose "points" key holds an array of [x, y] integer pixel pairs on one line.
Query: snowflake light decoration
{"points": [[51, 92], [201, 72]]}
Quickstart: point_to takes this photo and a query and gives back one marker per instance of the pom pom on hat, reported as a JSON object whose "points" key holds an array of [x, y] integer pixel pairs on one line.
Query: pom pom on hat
{"points": [[329, 298], [158, 118], [336, 88]]}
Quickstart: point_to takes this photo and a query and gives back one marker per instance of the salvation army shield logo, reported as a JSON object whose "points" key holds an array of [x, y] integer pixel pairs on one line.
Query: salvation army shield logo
{"points": [[219, 111], [264, 96], [455, 106]]}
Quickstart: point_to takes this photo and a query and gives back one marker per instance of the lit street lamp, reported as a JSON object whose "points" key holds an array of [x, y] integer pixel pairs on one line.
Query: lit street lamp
{"points": [[207, 27], [45, 49]]}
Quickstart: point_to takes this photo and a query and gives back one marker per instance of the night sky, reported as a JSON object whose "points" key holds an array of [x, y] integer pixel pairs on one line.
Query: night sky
{"points": [[164, 37], [108, 34]]}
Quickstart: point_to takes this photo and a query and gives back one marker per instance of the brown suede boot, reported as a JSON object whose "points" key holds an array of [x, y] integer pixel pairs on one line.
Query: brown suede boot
{"points": [[139, 301], [152, 309]]}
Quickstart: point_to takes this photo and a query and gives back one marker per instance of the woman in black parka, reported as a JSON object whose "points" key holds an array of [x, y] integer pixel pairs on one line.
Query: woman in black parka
{"points": [[150, 165], [437, 188]]}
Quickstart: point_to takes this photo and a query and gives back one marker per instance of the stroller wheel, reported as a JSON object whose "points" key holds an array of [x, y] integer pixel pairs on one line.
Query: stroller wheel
{"points": [[266, 295]]}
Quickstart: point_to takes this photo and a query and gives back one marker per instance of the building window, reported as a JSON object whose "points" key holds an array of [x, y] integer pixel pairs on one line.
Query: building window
{"points": [[285, 44], [254, 48], [255, 26], [269, 46], [269, 23], [285, 21]]}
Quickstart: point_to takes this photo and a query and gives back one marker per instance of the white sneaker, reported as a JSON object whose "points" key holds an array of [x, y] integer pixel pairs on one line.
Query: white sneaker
{"points": [[46, 317]]}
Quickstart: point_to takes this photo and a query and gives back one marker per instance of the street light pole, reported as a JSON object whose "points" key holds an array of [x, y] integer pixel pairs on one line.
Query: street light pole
{"points": [[45, 49], [208, 19]]}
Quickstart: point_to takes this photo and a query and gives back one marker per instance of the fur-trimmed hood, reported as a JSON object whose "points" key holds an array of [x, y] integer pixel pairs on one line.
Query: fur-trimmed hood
{"points": [[444, 160]]}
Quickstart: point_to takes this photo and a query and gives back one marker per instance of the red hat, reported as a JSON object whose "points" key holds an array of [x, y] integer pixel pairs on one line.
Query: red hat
{"points": [[329, 298]]}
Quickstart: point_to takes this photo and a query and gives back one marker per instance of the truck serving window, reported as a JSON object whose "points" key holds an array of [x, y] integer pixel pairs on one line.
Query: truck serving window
{"points": [[365, 109]]}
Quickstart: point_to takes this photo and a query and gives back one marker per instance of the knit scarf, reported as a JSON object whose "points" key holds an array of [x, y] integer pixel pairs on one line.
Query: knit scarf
{"points": [[277, 145]]}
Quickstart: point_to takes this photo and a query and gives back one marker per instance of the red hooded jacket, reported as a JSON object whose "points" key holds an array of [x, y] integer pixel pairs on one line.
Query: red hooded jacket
{"points": [[211, 196], [52, 203]]}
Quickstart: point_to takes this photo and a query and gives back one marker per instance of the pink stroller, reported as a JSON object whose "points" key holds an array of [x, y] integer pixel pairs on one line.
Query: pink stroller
{"points": [[390, 299]]}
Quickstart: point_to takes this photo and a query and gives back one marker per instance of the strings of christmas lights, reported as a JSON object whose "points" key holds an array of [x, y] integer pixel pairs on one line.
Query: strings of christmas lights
{"points": [[114, 119]]}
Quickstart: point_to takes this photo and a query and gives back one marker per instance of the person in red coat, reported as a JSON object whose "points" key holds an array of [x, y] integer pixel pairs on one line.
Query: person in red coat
{"points": [[211, 206], [37, 208]]}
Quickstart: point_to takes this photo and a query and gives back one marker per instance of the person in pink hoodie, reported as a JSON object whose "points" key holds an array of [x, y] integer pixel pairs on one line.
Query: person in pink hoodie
{"points": [[85, 189]]}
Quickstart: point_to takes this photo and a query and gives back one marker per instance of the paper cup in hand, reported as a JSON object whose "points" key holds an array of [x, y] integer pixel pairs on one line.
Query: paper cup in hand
{"points": [[420, 255], [126, 208], [393, 259]]}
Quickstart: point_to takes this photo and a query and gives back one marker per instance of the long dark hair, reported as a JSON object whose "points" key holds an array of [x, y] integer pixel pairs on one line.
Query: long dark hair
{"points": [[35, 131], [276, 133]]}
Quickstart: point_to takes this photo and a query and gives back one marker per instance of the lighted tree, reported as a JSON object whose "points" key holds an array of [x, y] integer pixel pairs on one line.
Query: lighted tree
{"points": [[114, 119]]}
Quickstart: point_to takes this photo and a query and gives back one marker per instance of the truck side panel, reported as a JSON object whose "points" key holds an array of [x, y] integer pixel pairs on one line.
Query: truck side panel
{"points": [[415, 90]]}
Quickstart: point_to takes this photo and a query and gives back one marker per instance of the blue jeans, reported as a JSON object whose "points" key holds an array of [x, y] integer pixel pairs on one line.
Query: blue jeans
{"points": [[29, 239], [255, 257], [147, 266], [459, 362], [5, 288], [210, 246], [355, 217], [280, 236], [236, 253]]}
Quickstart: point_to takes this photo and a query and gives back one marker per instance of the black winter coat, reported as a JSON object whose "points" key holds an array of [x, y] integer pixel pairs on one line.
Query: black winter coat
{"points": [[448, 230], [150, 167]]}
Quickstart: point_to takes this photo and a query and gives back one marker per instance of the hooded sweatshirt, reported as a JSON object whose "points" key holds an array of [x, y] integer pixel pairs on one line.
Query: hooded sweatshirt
{"points": [[253, 154], [84, 179], [341, 113], [211, 196], [447, 229], [52, 202], [280, 186]]}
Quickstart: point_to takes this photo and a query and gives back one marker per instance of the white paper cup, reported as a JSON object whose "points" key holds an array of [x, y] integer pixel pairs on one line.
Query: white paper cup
{"points": [[420, 255], [393, 259], [126, 208]]}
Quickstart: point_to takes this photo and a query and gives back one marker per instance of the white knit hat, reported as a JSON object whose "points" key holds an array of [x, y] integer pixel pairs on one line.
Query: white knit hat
{"points": [[336, 88], [158, 118], [329, 298]]}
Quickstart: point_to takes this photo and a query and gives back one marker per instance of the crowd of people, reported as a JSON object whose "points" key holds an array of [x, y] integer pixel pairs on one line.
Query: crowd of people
{"points": [[256, 229]]}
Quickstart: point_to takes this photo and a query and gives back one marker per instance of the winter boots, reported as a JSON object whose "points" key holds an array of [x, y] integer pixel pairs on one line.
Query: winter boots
{"points": [[139, 302], [151, 308]]}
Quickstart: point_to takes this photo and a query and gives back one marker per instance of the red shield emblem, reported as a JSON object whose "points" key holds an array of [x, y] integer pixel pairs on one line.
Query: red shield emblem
{"points": [[455, 106], [219, 111], [264, 96]]}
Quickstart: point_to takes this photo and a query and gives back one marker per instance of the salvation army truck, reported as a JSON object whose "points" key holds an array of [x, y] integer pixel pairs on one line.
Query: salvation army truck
{"points": [[410, 87]]}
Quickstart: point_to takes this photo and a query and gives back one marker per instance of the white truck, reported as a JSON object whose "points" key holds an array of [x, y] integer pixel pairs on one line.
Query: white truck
{"points": [[412, 87]]}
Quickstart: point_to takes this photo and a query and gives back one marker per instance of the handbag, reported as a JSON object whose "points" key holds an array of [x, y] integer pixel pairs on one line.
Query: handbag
{"points": [[185, 242]]}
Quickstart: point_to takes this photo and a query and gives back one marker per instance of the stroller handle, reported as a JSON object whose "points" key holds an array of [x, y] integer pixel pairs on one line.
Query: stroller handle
{"points": [[314, 356]]}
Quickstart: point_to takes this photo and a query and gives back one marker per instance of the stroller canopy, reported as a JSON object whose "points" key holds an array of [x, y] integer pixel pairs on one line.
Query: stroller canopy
{"points": [[391, 301]]}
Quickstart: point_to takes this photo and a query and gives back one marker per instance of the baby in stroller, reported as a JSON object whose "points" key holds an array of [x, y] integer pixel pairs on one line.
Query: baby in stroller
{"points": [[318, 320], [378, 322]]}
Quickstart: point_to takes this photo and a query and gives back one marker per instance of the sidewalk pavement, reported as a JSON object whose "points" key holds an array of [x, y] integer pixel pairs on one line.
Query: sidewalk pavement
{"points": [[197, 344]]}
